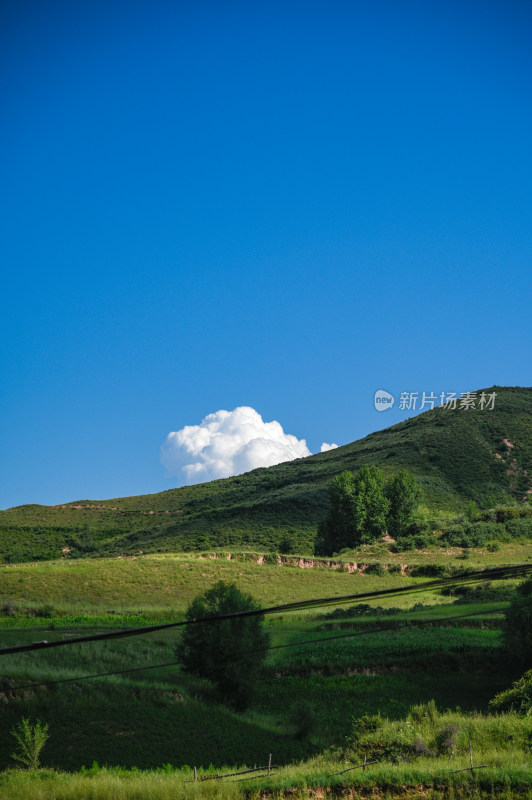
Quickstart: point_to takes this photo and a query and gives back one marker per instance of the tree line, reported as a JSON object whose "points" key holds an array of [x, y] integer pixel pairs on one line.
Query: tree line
{"points": [[364, 506]]}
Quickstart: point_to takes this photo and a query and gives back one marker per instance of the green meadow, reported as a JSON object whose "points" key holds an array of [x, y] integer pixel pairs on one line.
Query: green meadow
{"points": [[146, 729]]}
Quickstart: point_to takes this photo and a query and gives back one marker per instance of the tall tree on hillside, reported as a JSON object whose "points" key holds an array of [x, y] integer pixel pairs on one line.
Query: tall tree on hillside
{"points": [[404, 493], [229, 652], [338, 529], [357, 513]]}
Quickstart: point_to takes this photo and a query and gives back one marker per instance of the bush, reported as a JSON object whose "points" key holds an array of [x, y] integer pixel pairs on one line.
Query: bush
{"points": [[9, 609], [424, 712], [518, 698], [519, 528], [413, 542], [419, 748], [285, 546], [46, 611], [446, 740], [369, 723], [394, 568], [376, 569], [429, 571], [505, 513], [485, 593], [473, 535], [31, 740]]}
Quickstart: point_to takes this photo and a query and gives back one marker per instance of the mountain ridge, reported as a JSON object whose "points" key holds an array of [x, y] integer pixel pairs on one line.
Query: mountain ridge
{"points": [[457, 455]]}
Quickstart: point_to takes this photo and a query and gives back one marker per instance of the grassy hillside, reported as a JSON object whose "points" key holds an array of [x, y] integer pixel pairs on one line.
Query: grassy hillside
{"points": [[419, 647], [149, 718], [457, 455]]}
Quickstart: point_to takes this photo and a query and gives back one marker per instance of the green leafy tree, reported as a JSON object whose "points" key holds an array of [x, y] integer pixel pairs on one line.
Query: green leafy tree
{"points": [[357, 513], [338, 529], [372, 505], [403, 493], [517, 630], [31, 740], [228, 652]]}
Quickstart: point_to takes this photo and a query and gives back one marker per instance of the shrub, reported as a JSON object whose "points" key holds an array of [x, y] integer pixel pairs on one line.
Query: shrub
{"points": [[505, 513], [376, 569], [31, 740], [518, 698], [285, 546], [446, 739], [455, 536], [413, 542], [429, 571], [519, 528], [9, 609], [485, 593], [46, 611], [424, 712], [419, 748], [369, 723]]}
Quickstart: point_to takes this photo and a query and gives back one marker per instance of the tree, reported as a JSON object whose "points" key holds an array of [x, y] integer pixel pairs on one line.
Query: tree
{"points": [[517, 630], [404, 493], [357, 513], [228, 652], [31, 740]]}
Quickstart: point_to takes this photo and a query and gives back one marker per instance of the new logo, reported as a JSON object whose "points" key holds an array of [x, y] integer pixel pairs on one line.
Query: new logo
{"points": [[383, 400]]}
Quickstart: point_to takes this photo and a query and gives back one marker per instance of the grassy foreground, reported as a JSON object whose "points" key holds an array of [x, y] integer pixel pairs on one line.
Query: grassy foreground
{"points": [[148, 718], [151, 727], [508, 774]]}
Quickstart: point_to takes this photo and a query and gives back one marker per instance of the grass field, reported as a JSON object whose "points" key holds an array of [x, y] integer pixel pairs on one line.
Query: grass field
{"points": [[149, 718], [138, 722], [164, 584], [170, 582]]}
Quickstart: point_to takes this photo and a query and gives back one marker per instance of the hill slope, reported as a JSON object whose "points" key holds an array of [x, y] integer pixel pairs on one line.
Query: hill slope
{"points": [[457, 456]]}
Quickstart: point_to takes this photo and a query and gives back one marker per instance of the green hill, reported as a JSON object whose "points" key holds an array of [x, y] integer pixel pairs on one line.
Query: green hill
{"points": [[457, 455]]}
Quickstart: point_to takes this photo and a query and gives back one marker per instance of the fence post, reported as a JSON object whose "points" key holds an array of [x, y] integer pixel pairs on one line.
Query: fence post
{"points": [[364, 765], [195, 775], [269, 765]]}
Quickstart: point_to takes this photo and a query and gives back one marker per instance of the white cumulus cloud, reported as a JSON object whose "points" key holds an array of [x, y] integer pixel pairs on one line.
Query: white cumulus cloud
{"points": [[326, 447], [228, 443]]}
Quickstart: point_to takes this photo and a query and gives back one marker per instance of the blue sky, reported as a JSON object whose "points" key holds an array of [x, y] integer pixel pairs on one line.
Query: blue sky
{"points": [[278, 205]]}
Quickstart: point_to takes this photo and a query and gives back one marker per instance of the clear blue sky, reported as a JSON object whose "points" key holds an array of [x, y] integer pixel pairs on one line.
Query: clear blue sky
{"points": [[285, 205]]}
